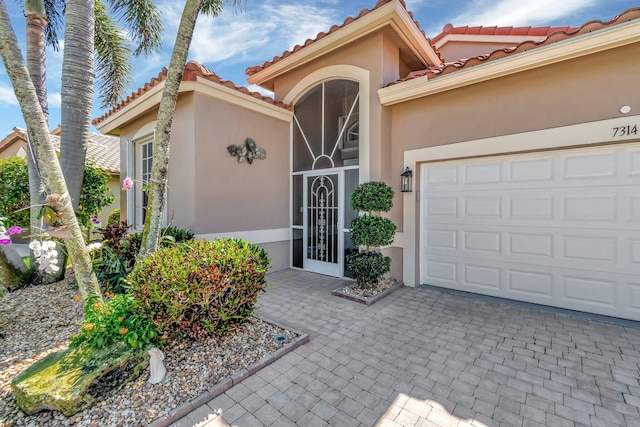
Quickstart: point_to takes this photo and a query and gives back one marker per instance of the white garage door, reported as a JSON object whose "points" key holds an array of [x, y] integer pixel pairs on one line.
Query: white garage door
{"points": [[557, 228]]}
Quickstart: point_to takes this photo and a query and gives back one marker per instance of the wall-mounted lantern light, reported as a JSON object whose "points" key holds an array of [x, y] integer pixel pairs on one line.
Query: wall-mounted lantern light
{"points": [[406, 180]]}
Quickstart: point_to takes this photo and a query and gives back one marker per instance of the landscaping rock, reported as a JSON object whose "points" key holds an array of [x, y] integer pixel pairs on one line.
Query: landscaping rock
{"points": [[11, 267], [73, 379]]}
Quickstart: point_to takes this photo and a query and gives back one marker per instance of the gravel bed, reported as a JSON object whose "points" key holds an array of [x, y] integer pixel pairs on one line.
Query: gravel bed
{"points": [[369, 290], [39, 320]]}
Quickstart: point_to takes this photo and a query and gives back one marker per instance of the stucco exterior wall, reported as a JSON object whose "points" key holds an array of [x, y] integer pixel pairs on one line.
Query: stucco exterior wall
{"points": [[13, 149], [576, 91], [231, 196]]}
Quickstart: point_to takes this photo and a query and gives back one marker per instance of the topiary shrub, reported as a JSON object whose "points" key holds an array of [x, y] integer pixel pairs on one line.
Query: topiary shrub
{"points": [[199, 288], [374, 196], [114, 217], [371, 232]]}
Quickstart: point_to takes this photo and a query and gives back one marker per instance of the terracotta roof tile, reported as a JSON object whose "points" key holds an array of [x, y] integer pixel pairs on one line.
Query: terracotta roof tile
{"points": [[192, 71], [554, 37], [257, 68], [499, 31], [103, 149]]}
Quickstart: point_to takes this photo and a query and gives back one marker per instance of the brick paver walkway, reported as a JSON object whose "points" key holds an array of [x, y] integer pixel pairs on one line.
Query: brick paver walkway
{"points": [[425, 358]]}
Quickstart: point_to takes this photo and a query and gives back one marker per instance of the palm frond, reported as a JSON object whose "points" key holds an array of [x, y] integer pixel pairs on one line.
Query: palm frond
{"points": [[142, 20], [214, 7], [113, 57]]}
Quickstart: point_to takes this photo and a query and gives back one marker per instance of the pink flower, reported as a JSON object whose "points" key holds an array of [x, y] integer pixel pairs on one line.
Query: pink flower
{"points": [[95, 220], [127, 183], [14, 230], [5, 240]]}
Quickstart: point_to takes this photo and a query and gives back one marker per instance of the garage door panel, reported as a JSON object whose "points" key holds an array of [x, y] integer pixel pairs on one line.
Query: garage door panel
{"points": [[558, 228]]}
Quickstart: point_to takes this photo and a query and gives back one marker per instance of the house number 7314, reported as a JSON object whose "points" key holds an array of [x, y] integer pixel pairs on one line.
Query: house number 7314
{"points": [[628, 130]]}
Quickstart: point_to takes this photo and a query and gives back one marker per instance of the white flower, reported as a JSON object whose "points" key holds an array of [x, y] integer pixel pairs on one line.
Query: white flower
{"points": [[34, 244], [94, 246]]}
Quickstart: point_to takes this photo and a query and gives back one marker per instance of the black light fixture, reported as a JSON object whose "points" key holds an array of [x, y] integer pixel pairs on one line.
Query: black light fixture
{"points": [[406, 180]]}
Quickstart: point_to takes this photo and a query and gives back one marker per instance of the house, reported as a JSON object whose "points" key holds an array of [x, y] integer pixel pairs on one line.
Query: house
{"points": [[523, 143], [104, 150]]}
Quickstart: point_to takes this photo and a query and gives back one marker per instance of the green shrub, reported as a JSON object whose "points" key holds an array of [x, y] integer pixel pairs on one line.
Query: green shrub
{"points": [[95, 194], [368, 267], [175, 235], [14, 191], [199, 288], [111, 270], [115, 321], [372, 231], [372, 196], [114, 217]]}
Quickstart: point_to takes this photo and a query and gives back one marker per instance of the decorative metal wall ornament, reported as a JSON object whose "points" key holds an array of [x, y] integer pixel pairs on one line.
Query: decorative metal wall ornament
{"points": [[249, 151]]}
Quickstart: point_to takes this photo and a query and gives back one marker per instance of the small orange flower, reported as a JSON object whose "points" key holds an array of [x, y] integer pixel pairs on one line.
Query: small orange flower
{"points": [[120, 319], [97, 306], [124, 331], [78, 297], [88, 326], [111, 295]]}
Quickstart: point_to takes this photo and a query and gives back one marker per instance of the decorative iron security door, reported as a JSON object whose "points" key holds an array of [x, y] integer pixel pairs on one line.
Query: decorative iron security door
{"points": [[323, 215]]}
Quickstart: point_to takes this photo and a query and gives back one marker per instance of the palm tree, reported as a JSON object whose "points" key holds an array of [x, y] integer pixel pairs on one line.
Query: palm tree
{"points": [[44, 153], [113, 57], [161, 143]]}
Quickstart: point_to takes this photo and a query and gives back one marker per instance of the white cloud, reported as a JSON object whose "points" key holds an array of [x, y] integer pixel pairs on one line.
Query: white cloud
{"points": [[7, 97], [250, 38], [518, 12], [261, 90], [54, 99]]}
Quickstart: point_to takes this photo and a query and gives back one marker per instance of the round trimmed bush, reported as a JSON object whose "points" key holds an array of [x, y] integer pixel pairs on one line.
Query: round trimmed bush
{"points": [[374, 196], [372, 231], [368, 267], [199, 288]]}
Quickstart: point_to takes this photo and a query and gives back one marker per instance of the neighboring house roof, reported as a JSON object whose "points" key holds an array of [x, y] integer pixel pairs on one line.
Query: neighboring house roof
{"points": [[103, 149], [192, 71], [450, 30], [562, 35]]}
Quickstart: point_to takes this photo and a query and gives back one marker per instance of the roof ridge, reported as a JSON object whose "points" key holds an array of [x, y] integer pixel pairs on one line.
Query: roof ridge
{"points": [[348, 20], [192, 70], [588, 27], [500, 30]]}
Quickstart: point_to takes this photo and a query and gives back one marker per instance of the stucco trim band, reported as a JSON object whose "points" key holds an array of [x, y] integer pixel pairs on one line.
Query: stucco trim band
{"points": [[252, 236]]}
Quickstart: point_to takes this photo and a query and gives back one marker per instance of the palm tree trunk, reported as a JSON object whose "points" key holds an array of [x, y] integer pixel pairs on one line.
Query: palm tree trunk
{"points": [[161, 143], [76, 96], [36, 20], [76, 93], [45, 155]]}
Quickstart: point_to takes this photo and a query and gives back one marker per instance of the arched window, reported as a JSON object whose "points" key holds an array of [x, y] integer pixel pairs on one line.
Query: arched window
{"points": [[326, 126]]}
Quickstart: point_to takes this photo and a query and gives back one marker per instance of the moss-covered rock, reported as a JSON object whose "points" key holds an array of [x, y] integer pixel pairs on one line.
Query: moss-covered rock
{"points": [[71, 380]]}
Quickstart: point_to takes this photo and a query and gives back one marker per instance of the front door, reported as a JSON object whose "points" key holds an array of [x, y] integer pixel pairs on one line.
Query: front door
{"points": [[323, 226]]}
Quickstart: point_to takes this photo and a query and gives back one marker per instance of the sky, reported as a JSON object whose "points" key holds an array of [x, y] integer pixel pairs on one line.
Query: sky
{"points": [[262, 29]]}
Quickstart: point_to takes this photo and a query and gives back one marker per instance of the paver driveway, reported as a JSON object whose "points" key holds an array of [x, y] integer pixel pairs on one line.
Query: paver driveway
{"points": [[426, 358]]}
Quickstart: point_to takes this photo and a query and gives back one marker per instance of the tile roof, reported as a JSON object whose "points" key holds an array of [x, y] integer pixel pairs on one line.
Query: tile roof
{"points": [[449, 29], [591, 26], [257, 68], [103, 149], [192, 71]]}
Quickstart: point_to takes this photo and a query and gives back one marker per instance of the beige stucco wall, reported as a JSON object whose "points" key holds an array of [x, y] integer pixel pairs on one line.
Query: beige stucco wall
{"points": [[455, 50], [13, 149], [232, 196]]}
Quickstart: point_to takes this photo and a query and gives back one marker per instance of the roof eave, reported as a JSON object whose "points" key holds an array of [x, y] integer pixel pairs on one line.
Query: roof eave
{"points": [[393, 13], [151, 99], [586, 44]]}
